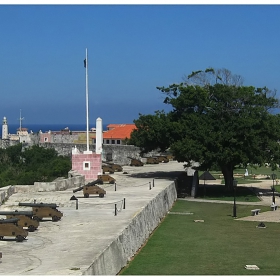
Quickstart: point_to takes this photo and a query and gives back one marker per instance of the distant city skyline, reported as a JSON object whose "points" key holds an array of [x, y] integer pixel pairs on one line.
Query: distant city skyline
{"points": [[132, 49]]}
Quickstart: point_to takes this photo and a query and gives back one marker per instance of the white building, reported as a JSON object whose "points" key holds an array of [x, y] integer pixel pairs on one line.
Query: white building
{"points": [[5, 129]]}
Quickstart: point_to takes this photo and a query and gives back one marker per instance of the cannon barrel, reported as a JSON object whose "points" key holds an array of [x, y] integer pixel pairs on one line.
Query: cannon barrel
{"points": [[9, 221], [78, 189], [98, 181], [24, 213], [51, 205]]}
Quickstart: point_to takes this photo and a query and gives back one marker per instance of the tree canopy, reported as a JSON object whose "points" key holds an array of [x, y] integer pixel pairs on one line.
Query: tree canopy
{"points": [[20, 166], [215, 121]]}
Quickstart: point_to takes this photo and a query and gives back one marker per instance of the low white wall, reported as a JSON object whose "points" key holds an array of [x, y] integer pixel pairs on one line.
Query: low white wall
{"points": [[6, 192], [58, 185], [121, 250]]}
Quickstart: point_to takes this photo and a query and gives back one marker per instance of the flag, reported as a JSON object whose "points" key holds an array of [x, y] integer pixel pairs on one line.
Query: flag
{"points": [[85, 63]]}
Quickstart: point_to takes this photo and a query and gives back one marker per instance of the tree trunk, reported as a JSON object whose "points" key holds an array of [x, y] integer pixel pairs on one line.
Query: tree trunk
{"points": [[227, 171]]}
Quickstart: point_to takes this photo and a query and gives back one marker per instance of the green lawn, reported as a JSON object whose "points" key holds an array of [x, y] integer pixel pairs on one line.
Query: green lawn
{"points": [[220, 245]]}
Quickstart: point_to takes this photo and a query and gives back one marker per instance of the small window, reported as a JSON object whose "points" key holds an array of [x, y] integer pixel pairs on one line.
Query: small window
{"points": [[86, 165], [46, 139], [113, 141], [118, 141], [107, 141]]}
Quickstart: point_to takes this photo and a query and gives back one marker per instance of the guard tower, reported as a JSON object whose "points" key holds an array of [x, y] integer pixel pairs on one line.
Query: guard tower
{"points": [[89, 163], [5, 128]]}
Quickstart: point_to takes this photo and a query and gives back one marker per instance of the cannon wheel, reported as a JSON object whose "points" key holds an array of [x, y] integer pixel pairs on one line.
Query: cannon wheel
{"points": [[86, 195], [36, 218], [55, 218], [101, 195], [19, 238], [31, 228]]}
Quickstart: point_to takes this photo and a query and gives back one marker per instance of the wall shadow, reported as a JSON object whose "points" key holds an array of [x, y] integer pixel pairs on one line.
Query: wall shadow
{"points": [[169, 175]]}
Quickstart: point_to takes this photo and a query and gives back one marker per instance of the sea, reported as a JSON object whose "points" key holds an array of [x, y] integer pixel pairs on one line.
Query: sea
{"points": [[12, 128]]}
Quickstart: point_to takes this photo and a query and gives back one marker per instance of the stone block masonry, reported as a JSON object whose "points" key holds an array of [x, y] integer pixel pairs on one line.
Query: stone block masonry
{"points": [[117, 153]]}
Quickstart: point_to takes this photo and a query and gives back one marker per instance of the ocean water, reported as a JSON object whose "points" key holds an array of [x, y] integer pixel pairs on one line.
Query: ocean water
{"points": [[12, 128]]}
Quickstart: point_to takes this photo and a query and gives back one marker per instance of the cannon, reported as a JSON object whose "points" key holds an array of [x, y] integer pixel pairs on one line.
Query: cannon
{"points": [[10, 227], [152, 160], [163, 159], [98, 181], [107, 168], [170, 157], [92, 188], [106, 178], [135, 162], [114, 166], [25, 218], [44, 210]]}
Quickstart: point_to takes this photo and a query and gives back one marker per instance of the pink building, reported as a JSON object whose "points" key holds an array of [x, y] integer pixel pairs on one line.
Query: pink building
{"points": [[88, 164]]}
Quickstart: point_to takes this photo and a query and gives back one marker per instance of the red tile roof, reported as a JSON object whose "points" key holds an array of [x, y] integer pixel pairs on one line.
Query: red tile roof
{"points": [[118, 131], [113, 125]]}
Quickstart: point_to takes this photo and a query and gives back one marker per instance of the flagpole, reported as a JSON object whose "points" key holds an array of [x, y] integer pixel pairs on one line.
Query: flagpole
{"points": [[87, 100]]}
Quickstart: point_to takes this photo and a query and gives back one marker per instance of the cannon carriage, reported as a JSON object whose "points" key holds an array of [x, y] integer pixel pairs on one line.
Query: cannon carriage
{"points": [[115, 167], [135, 162], [151, 160], [92, 188], [10, 227], [25, 219], [44, 210], [163, 159], [107, 168]]}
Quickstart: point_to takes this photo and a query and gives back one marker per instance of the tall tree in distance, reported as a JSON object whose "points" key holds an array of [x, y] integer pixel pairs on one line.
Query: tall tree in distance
{"points": [[212, 76], [216, 121]]}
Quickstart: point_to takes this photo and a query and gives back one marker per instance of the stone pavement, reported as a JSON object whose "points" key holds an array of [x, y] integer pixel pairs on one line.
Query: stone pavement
{"points": [[71, 245]]}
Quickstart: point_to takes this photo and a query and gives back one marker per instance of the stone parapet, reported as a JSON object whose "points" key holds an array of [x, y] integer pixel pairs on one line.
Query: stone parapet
{"points": [[125, 246], [57, 185]]}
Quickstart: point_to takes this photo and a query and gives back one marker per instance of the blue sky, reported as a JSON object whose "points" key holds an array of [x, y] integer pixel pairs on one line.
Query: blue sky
{"points": [[132, 49]]}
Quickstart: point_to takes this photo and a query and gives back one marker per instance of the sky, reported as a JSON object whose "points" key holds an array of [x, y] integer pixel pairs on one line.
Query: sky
{"points": [[132, 49]]}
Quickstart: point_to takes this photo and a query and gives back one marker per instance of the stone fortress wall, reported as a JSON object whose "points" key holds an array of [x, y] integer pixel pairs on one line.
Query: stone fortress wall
{"points": [[116, 153]]}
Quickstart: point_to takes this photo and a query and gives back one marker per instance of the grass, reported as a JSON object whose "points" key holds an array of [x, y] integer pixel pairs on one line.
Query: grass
{"points": [[220, 245]]}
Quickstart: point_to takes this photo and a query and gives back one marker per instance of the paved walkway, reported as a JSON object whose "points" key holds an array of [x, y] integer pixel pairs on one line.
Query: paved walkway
{"points": [[70, 246]]}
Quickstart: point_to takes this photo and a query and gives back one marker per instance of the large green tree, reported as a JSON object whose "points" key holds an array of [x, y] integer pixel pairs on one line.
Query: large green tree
{"points": [[20, 166], [215, 121]]}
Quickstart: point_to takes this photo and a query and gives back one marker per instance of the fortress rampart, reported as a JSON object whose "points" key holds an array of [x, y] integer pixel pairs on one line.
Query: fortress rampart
{"points": [[117, 153]]}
